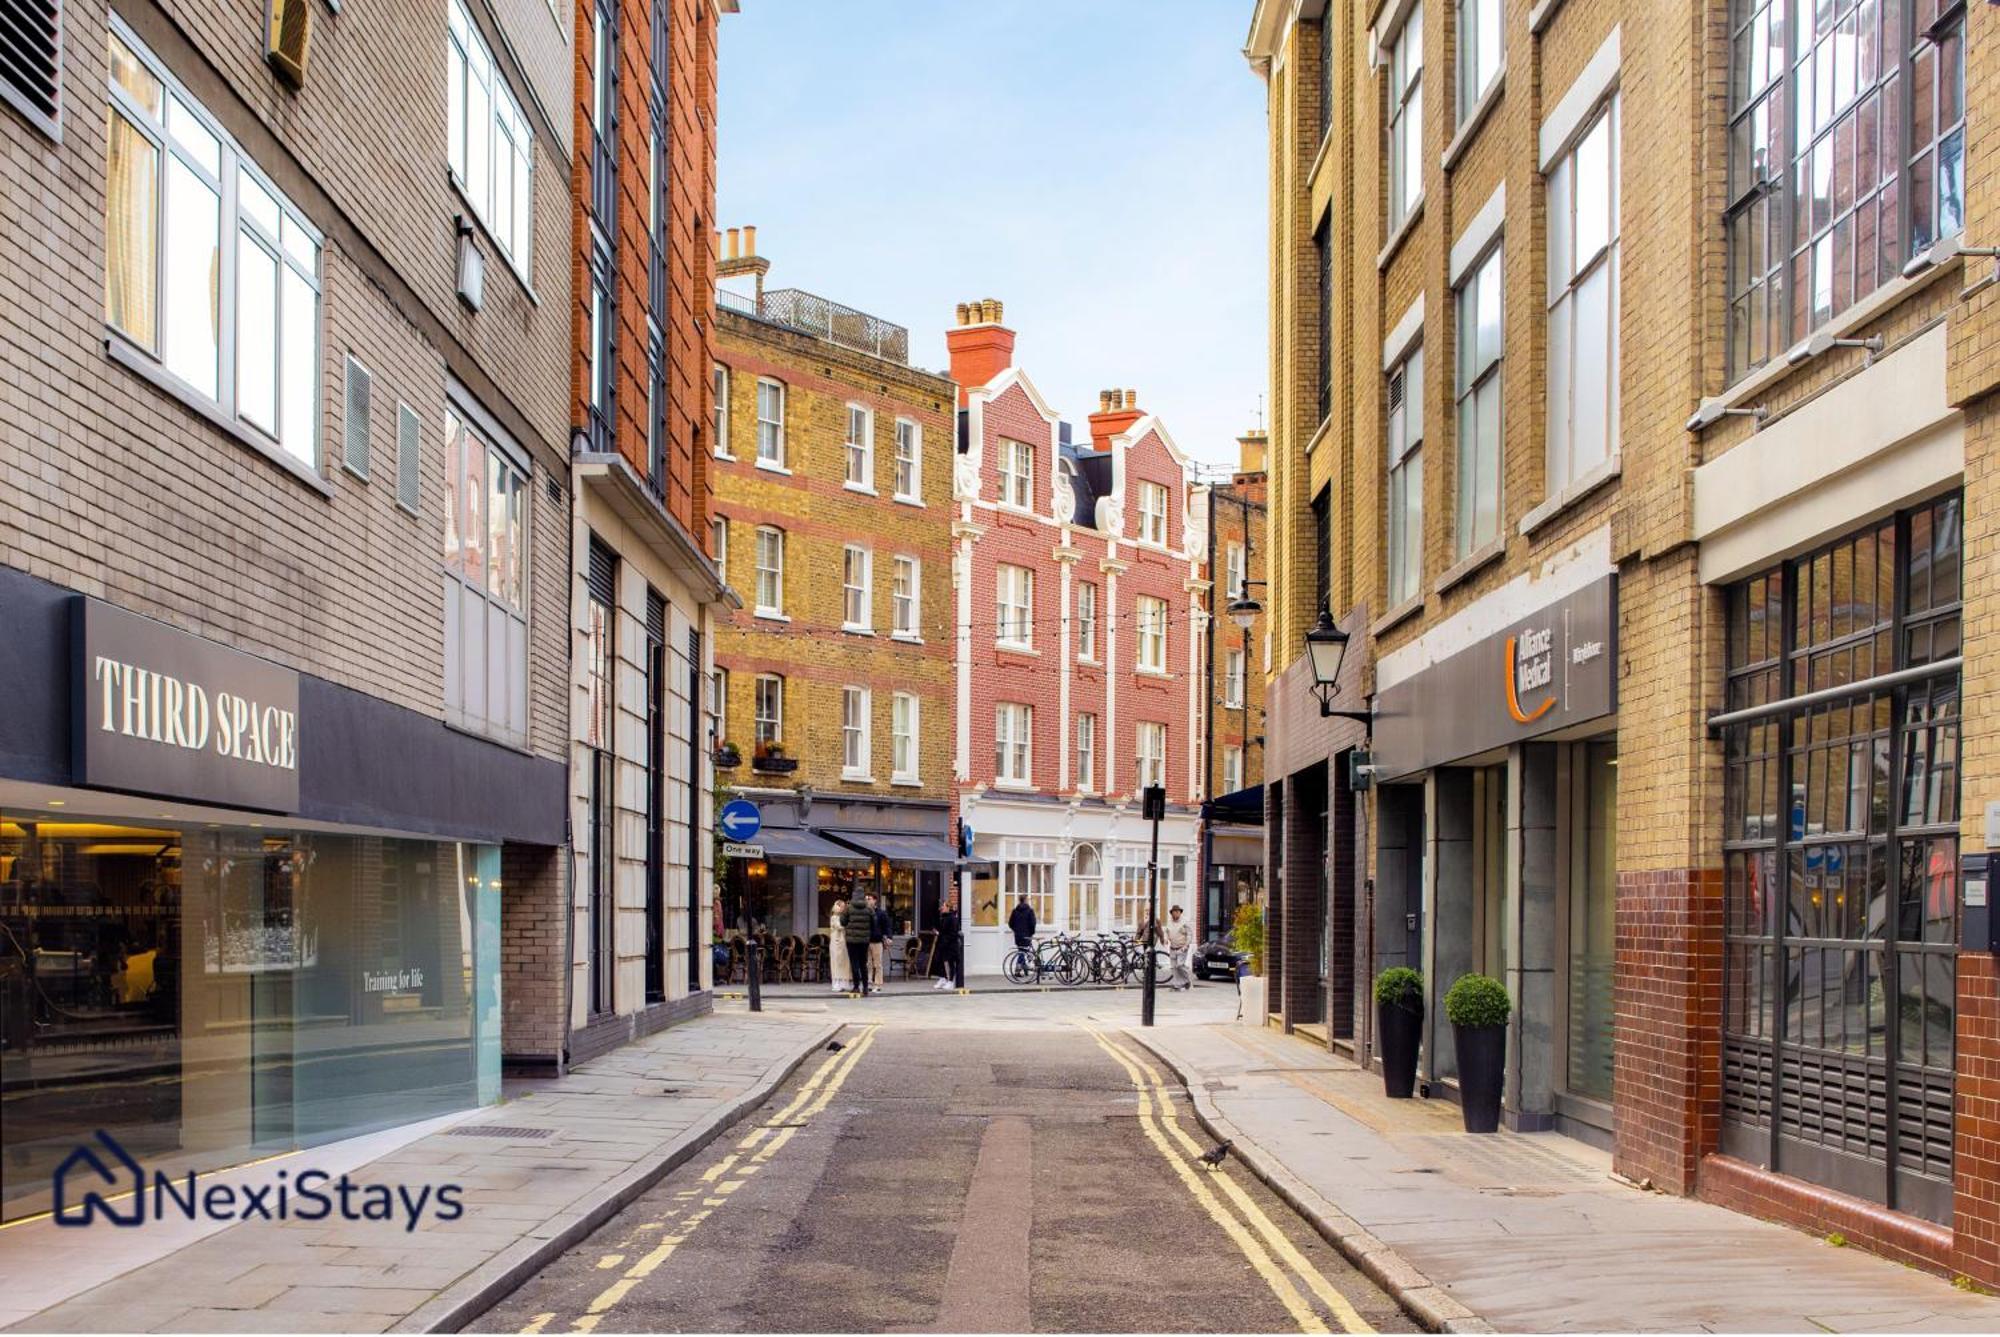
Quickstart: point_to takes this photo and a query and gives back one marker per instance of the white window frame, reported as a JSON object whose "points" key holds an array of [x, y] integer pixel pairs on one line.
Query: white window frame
{"points": [[1017, 475], [771, 430], [1153, 514], [1594, 351], [1482, 52], [720, 377], [770, 543], [1013, 745], [905, 733], [1035, 879], [1232, 768], [476, 91], [1086, 621], [767, 708], [906, 596], [1014, 602], [1481, 416], [486, 591], [856, 749], [1403, 131], [909, 484], [1150, 754], [189, 145], [1149, 623], [718, 539], [1235, 667], [1403, 393], [1086, 753], [858, 449], [1236, 571], [857, 588]]}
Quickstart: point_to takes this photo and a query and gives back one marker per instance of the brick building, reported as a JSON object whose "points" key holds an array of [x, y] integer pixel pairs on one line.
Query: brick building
{"points": [[644, 587], [1080, 615], [283, 503], [1736, 958], [833, 460], [1235, 665]]}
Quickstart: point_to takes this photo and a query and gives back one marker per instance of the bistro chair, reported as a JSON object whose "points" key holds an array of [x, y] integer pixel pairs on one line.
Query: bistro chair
{"points": [[738, 956], [815, 962], [782, 955]]}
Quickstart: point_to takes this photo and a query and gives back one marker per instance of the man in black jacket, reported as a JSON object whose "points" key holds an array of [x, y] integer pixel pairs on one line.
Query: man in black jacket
{"points": [[949, 963], [1022, 921], [878, 940]]}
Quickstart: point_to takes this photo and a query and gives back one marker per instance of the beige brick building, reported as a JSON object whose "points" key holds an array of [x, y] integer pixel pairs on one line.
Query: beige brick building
{"points": [[1630, 415], [1233, 733]]}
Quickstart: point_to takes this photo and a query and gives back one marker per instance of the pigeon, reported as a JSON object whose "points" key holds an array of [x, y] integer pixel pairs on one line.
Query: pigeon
{"points": [[1214, 1157], [835, 1045]]}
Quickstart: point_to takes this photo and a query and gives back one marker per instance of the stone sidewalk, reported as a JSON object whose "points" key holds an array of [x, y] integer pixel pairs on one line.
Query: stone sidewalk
{"points": [[1525, 1232], [538, 1172]]}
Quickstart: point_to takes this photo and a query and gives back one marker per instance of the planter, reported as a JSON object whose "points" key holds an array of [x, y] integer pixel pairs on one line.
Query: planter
{"points": [[727, 758], [775, 765], [1399, 1031], [1256, 996], [1482, 1073]]}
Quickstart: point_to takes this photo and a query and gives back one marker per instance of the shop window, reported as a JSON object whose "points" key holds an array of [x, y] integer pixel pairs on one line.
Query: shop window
{"points": [[1086, 888]]}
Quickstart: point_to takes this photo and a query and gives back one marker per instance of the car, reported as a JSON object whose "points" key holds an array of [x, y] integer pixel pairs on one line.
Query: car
{"points": [[1217, 959]]}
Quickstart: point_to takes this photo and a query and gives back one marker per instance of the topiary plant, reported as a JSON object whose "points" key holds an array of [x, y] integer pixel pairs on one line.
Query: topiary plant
{"points": [[1247, 935], [1402, 987], [1477, 1000]]}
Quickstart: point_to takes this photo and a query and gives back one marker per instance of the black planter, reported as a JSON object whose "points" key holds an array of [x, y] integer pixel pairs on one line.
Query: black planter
{"points": [[1482, 1072], [1399, 1030]]}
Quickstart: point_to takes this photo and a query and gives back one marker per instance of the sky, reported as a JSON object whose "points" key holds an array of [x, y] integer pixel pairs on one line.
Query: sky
{"points": [[1097, 165]]}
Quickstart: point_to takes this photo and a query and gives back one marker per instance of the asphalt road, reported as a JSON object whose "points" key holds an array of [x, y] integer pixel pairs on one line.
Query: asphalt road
{"points": [[954, 1180]]}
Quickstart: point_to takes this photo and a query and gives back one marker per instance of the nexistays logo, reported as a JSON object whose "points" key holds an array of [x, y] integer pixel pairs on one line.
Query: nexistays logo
{"points": [[102, 1179]]}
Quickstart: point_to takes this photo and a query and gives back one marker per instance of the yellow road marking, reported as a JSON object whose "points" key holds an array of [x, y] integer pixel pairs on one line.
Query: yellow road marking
{"points": [[536, 1323], [609, 1261]]}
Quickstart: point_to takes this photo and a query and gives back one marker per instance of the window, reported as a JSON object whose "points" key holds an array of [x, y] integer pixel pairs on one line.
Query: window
{"points": [[1406, 479], [1017, 475], [1235, 571], [860, 447], [718, 690], [1232, 680], [1583, 303], [909, 460], [857, 569], [1012, 750], [599, 350], [1816, 209], [492, 148], [1152, 758], [1232, 769], [1036, 881], [718, 542], [770, 709], [771, 423], [1150, 621], [1153, 514], [770, 571], [1322, 511], [721, 423], [854, 749], [1015, 596], [1323, 364], [1405, 133], [1086, 887], [485, 584], [1086, 752], [1128, 888], [209, 273], [905, 596], [903, 709], [1481, 44], [1479, 406], [1086, 621]]}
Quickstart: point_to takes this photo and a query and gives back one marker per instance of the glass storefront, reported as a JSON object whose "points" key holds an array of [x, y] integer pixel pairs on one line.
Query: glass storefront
{"points": [[1593, 893], [211, 993]]}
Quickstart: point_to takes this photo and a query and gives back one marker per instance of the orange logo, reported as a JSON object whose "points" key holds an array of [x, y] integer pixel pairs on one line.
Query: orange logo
{"points": [[1533, 661]]}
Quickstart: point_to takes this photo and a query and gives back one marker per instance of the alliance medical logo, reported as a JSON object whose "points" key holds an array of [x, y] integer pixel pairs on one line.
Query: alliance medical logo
{"points": [[101, 1181]]}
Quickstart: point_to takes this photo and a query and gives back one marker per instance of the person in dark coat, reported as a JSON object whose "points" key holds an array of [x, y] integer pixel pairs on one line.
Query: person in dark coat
{"points": [[948, 958], [1022, 921], [858, 927], [878, 941]]}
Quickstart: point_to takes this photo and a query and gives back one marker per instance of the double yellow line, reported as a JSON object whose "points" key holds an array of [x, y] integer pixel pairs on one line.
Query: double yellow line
{"points": [[717, 1184], [1269, 1250]]}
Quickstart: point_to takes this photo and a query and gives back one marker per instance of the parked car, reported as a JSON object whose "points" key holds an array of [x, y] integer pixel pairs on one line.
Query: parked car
{"points": [[1216, 959]]}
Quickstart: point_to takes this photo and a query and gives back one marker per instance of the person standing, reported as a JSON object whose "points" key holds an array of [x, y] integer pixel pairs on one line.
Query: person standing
{"points": [[878, 939], [837, 968], [950, 961], [1022, 922], [858, 926], [1180, 948]]}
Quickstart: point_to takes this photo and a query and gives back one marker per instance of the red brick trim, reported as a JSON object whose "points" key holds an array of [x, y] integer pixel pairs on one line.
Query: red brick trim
{"points": [[1743, 1187]]}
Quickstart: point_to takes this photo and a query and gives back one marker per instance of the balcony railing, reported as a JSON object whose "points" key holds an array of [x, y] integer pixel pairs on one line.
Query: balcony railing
{"points": [[811, 314]]}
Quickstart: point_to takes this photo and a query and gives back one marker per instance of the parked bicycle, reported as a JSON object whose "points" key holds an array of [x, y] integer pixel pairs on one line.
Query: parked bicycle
{"points": [[1113, 957]]}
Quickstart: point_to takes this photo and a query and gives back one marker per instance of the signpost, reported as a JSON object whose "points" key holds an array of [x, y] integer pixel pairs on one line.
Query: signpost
{"points": [[1154, 810], [739, 821]]}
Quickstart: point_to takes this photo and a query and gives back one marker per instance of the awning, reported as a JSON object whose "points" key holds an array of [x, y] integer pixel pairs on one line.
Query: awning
{"points": [[907, 848], [790, 844], [1245, 805]]}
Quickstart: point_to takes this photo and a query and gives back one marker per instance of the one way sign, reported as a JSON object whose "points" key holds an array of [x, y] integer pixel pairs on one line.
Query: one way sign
{"points": [[740, 819]]}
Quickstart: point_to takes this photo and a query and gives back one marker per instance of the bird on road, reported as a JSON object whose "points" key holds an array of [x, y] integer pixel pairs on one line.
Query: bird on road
{"points": [[835, 1045], [1215, 1155]]}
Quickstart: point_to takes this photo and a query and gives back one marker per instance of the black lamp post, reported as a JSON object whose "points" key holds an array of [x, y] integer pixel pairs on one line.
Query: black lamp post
{"points": [[1326, 647]]}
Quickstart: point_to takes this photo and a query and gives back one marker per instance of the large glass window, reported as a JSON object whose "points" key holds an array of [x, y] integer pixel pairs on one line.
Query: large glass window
{"points": [[1479, 352], [1840, 863], [1406, 478], [492, 148], [209, 271], [1405, 128], [485, 583], [1583, 303], [1593, 892]]}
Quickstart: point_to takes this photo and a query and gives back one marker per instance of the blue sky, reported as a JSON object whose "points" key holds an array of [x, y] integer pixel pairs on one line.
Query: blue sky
{"points": [[1098, 165]]}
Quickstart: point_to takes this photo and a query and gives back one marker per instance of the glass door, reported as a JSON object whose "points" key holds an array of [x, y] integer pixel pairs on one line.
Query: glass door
{"points": [[1593, 888]]}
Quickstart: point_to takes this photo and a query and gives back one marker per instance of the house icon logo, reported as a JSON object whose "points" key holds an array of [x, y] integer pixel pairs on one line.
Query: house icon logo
{"points": [[90, 1177]]}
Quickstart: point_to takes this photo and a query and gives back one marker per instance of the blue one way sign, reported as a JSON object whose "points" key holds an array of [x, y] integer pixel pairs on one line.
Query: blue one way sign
{"points": [[740, 819]]}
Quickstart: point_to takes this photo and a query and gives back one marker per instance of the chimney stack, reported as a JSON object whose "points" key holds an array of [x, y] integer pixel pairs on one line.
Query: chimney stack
{"points": [[1116, 411], [980, 346], [1251, 450], [750, 242]]}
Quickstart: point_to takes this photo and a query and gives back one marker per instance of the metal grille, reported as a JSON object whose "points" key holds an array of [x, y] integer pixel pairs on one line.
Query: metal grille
{"points": [[30, 58], [1746, 1083], [835, 323], [359, 387], [1835, 1101], [409, 456], [1923, 1122], [501, 1130]]}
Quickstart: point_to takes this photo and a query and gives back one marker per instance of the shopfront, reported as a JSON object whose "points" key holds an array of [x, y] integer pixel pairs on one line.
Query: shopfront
{"points": [[1495, 831], [232, 922], [1233, 851]]}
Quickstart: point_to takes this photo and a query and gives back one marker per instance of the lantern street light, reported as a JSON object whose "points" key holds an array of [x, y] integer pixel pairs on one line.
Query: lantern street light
{"points": [[1326, 647]]}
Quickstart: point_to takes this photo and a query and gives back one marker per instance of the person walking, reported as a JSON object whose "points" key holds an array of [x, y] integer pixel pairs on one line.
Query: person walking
{"points": [[838, 971], [858, 925], [1180, 948], [947, 955], [1022, 922], [878, 940]]}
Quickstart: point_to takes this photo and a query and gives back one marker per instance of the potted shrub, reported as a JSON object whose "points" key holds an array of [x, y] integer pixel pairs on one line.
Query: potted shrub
{"points": [[1246, 935], [771, 757], [1477, 1008], [1399, 1026], [728, 756]]}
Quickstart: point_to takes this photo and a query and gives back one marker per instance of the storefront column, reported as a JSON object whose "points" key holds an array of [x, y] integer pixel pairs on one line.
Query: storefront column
{"points": [[534, 957], [1450, 948], [1534, 866], [1301, 910], [1276, 894]]}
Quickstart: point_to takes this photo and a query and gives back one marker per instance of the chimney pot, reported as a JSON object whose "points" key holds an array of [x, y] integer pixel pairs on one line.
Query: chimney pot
{"points": [[999, 311], [1131, 399], [750, 240], [735, 240], [964, 316]]}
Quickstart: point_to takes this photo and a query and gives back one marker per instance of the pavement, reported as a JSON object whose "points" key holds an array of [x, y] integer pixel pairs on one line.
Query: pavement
{"points": [[1524, 1232], [539, 1171]]}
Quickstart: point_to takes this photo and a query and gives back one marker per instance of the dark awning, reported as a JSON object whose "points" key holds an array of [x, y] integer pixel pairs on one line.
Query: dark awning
{"points": [[907, 848], [1244, 805], [792, 844]]}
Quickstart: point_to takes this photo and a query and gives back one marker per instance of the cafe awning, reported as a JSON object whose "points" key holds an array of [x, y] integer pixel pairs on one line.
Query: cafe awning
{"points": [[790, 844], [908, 849]]}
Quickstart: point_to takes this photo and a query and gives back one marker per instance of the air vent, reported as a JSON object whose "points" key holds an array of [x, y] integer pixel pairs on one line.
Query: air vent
{"points": [[359, 383], [409, 456], [290, 39], [31, 59]]}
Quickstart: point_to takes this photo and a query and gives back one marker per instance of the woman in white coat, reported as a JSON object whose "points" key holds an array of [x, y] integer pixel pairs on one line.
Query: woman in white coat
{"points": [[837, 968]]}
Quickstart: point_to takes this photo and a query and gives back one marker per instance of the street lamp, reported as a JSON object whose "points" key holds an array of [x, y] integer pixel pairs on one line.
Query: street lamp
{"points": [[1326, 647]]}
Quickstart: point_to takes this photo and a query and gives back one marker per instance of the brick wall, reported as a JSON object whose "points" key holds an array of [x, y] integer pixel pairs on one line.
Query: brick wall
{"points": [[1237, 516], [533, 958]]}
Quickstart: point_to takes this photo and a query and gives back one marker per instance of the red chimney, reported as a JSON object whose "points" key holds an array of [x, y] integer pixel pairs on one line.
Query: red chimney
{"points": [[981, 347], [1116, 410]]}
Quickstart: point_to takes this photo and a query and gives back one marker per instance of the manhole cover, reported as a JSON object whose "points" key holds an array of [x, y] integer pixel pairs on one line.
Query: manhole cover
{"points": [[499, 1130]]}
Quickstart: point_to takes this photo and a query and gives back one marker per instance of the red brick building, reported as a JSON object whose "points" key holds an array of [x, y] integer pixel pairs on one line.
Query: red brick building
{"points": [[1080, 648]]}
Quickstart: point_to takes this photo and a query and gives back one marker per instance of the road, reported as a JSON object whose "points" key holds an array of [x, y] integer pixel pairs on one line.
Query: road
{"points": [[1017, 1175]]}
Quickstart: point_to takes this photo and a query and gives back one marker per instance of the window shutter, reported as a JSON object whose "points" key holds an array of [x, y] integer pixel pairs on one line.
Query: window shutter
{"points": [[603, 578], [409, 456], [1396, 391], [359, 383], [31, 59], [656, 616]]}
